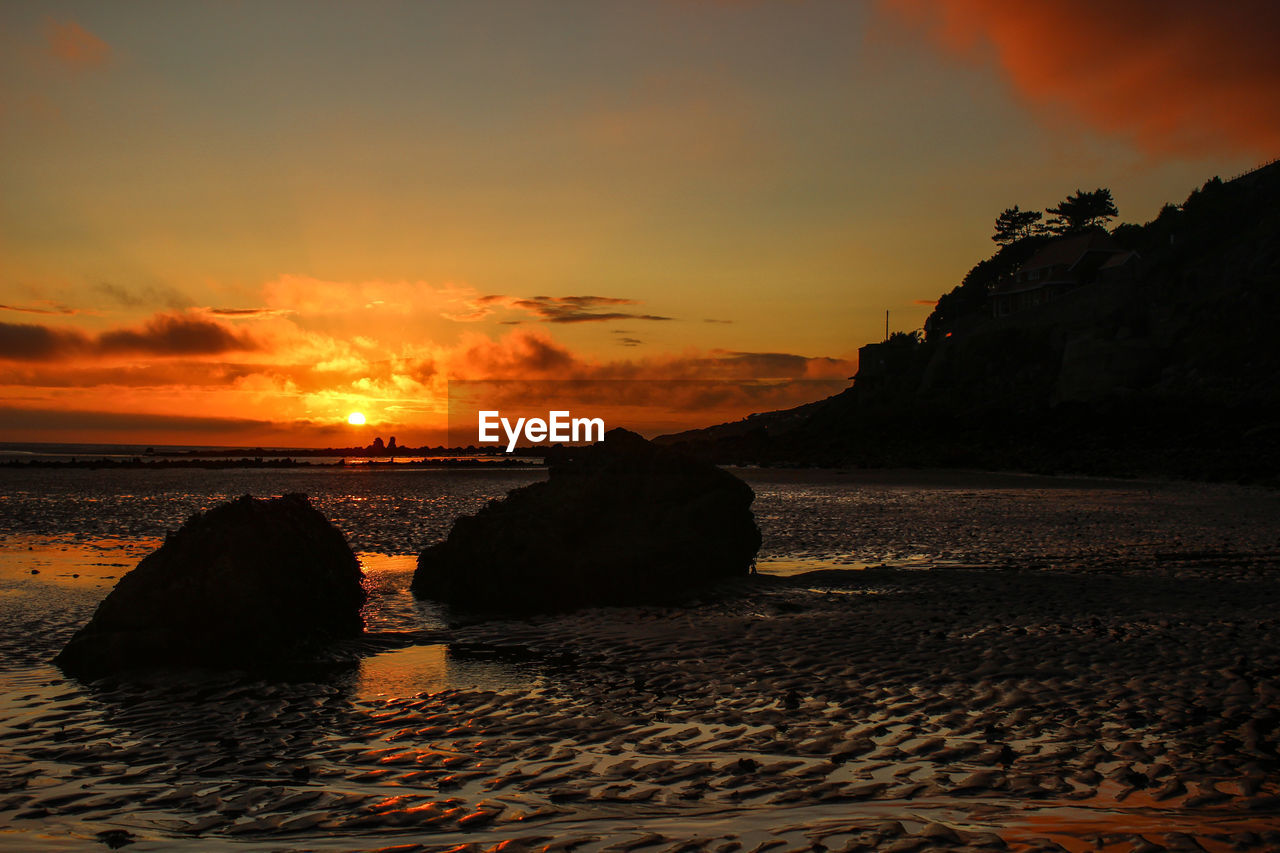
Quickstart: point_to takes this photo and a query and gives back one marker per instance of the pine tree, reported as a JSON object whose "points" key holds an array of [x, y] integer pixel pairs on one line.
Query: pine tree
{"points": [[1013, 225], [1082, 211]]}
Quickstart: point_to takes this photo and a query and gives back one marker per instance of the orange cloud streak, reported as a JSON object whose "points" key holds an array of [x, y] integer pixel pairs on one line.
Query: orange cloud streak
{"points": [[1175, 76]]}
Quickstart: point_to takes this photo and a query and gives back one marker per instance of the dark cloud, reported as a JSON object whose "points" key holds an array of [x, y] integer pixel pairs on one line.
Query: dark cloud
{"points": [[571, 309], [29, 342], [52, 308], [175, 334], [1175, 76], [145, 296], [245, 313], [713, 320], [81, 422], [149, 374], [775, 363], [630, 342], [536, 356], [162, 335]]}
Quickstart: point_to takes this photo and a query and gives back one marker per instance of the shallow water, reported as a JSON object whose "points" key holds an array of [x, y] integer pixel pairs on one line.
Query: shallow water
{"points": [[862, 517], [1066, 614]]}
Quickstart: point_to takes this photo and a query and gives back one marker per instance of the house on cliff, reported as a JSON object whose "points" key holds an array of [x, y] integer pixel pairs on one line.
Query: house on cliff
{"points": [[888, 363], [1061, 266]]}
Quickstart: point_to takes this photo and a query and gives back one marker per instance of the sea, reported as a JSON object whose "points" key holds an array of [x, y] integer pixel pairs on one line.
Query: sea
{"points": [[67, 534], [81, 757]]}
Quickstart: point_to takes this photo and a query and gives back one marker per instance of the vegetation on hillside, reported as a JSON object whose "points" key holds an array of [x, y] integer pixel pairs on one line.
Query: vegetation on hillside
{"points": [[1170, 371]]}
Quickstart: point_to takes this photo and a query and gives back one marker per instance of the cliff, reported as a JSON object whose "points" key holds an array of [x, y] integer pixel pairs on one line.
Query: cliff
{"points": [[1149, 350]]}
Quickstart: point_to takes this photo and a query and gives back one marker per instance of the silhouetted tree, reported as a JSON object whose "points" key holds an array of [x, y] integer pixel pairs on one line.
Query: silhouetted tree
{"points": [[1082, 211], [1013, 225], [970, 297], [909, 339]]}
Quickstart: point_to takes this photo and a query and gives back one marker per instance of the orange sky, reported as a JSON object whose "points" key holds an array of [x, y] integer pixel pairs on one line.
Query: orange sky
{"points": [[234, 224]]}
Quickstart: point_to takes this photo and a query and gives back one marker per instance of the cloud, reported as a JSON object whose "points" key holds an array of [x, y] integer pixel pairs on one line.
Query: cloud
{"points": [[271, 370], [162, 335], [532, 354], [306, 296], [52, 308], [527, 374], [783, 364], [146, 295], [571, 309], [175, 334], [516, 355], [626, 338], [74, 46], [245, 313], [1174, 76], [79, 421], [166, 373], [29, 342]]}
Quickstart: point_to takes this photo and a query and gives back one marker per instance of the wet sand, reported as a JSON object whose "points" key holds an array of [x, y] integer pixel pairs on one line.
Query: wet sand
{"points": [[1064, 687]]}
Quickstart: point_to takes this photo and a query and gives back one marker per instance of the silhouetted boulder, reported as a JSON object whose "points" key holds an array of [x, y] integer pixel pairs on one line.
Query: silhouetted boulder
{"points": [[249, 582], [621, 522]]}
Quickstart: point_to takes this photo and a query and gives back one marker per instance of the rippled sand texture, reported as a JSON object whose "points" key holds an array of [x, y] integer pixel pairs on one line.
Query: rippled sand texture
{"points": [[1085, 666]]}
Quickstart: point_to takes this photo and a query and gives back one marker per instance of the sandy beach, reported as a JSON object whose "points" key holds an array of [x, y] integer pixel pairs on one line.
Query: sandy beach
{"points": [[667, 426], [926, 661]]}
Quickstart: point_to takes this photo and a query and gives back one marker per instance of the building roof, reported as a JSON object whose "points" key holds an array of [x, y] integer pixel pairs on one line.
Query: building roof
{"points": [[1118, 260], [1055, 264], [1067, 251]]}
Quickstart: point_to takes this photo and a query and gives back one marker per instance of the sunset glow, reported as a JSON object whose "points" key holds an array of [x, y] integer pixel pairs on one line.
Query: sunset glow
{"points": [[233, 244], [355, 419]]}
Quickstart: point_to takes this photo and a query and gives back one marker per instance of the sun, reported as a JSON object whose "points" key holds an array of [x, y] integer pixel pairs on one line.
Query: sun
{"points": [[356, 419]]}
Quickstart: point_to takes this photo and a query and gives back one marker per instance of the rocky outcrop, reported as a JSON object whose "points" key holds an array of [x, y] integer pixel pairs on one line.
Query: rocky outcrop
{"points": [[621, 522], [247, 583]]}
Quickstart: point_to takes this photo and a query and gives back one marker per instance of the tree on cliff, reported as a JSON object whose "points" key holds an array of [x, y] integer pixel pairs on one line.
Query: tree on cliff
{"points": [[1082, 211], [970, 297], [1013, 225], [905, 339]]}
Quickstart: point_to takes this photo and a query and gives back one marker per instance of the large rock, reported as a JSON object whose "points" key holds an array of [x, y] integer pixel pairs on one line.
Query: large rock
{"points": [[247, 583], [621, 522]]}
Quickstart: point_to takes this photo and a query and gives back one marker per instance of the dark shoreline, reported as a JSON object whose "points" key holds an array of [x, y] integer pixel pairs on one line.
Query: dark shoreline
{"points": [[284, 462]]}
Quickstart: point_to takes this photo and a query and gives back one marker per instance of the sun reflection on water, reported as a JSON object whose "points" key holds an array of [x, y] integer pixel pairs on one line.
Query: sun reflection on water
{"points": [[432, 668]]}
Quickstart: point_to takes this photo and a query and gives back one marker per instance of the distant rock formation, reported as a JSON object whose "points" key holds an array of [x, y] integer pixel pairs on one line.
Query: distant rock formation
{"points": [[377, 444], [249, 582], [621, 522]]}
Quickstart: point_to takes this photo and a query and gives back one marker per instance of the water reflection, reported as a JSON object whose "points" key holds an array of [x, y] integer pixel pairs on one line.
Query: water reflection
{"points": [[785, 568], [431, 668], [419, 668], [91, 562]]}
